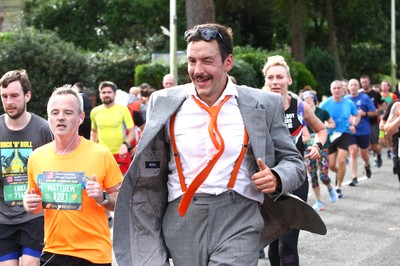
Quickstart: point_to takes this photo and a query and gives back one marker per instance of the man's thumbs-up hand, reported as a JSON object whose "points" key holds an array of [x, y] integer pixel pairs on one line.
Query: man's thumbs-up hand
{"points": [[94, 190], [265, 180]]}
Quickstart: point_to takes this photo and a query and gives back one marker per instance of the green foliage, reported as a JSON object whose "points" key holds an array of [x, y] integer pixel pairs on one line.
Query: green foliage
{"points": [[92, 24], [255, 57], [363, 55], [322, 66], [117, 63], [250, 21], [49, 61], [76, 21], [183, 76], [244, 74], [151, 74], [360, 24], [303, 77]]}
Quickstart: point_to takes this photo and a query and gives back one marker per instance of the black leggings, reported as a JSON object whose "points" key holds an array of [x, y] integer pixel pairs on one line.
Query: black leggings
{"points": [[283, 251]]}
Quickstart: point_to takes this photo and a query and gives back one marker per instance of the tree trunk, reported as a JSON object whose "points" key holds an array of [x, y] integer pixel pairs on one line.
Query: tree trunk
{"points": [[199, 12], [297, 18], [332, 38]]}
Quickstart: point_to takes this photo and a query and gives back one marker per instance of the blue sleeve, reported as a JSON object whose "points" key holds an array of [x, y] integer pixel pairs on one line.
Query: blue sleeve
{"points": [[354, 110]]}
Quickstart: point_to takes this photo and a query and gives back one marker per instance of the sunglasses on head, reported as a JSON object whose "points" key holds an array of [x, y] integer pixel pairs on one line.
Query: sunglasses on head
{"points": [[206, 34]]}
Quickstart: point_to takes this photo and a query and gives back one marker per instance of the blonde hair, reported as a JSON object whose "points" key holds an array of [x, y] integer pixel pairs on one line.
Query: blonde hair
{"points": [[276, 60]]}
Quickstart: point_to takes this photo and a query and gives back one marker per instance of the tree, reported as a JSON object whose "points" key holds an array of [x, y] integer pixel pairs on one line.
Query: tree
{"points": [[332, 38], [354, 31], [199, 12], [298, 16], [49, 61], [251, 22], [93, 24]]}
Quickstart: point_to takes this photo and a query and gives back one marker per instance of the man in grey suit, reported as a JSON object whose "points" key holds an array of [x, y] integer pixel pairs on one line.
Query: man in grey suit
{"points": [[210, 155]]}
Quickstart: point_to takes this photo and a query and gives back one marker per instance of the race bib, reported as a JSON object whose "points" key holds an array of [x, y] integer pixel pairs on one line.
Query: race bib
{"points": [[14, 189], [62, 190], [334, 136]]}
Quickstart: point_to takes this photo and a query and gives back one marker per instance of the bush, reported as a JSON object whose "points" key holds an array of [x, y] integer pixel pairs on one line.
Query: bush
{"points": [[244, 74], [151, 74], [322, 66], [183, 76], [255, 57], [303, 77], [49, 61]]}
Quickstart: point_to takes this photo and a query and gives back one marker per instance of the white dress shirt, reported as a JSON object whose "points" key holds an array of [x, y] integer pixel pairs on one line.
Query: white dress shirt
{"points": [[196, 148]]}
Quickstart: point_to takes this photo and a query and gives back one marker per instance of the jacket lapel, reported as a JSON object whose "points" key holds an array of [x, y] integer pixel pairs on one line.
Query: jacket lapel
{"points": [[254, 119], [166, 106]]}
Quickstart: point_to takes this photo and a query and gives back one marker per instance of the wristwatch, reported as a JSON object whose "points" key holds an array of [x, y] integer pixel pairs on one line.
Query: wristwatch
{"points": [[106, 198], [127, 145], [319, 145]]}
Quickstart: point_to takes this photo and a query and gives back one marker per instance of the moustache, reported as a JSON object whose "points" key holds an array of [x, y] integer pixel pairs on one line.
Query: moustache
{"points": [[201, 76]]}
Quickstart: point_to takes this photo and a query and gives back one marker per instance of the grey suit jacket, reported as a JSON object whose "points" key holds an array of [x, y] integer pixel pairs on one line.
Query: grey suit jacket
{"points": [[142, 200]]}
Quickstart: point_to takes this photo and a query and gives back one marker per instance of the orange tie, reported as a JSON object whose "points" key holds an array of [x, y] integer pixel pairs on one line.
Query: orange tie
{"points": [[202, 176]]}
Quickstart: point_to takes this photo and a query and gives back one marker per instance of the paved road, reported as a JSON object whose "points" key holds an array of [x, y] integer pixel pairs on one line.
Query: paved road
{"points": [[363, 227]]}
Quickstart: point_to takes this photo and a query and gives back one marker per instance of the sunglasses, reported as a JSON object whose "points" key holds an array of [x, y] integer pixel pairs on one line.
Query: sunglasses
{"points": [[206, 34]]}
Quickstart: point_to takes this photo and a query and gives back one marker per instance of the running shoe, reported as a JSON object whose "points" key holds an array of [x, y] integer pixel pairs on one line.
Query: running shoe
{"points": [[368, 172], [379, 161], [353, 182], [339, 193], [333, 196], [318, 206]]}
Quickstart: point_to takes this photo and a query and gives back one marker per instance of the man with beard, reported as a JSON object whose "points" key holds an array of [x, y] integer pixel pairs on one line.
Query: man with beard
{"points": [[110, 123], [21, 234]]}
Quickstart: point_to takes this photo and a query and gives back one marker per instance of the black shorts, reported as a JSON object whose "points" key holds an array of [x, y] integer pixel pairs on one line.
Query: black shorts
{"points": [[51, 259], [341, 142], [14, 237], [361, 141]]}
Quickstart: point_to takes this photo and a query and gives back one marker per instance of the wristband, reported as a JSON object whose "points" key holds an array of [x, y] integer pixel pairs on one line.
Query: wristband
{"points": [[319, 145], [127, 145]]}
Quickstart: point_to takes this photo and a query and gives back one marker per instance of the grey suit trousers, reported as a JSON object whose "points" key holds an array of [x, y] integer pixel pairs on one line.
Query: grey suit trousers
{"points": [[216, 230]]}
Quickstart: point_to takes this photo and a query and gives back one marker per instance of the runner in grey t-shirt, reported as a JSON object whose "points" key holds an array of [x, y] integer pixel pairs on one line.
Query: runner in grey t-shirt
{"points": [[21, 234]]}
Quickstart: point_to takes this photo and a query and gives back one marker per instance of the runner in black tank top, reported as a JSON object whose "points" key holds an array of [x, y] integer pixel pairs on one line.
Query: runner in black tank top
{"points": [[277, 79]]}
